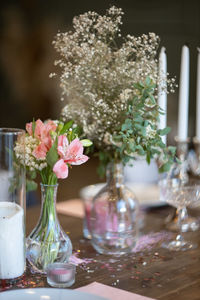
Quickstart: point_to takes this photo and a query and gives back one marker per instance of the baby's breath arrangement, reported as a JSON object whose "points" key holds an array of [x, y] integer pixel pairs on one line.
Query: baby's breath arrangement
{"points": [[110, 85]]}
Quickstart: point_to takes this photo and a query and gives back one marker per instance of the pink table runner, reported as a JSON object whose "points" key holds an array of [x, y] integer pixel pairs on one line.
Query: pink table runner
{"points": [[111, 293]]}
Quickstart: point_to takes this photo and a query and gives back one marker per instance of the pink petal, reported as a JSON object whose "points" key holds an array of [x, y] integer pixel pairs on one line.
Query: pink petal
{"points": [[78, 160], [29, 128], [61, 169], [39, 125], [46, 138], [40, 151], [50, 126], [45, 131], [75, 149], [74, 153], [62, 145]]}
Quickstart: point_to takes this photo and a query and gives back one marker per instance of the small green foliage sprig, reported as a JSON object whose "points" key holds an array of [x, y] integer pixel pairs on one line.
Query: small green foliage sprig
{"points": [[138, 134]]}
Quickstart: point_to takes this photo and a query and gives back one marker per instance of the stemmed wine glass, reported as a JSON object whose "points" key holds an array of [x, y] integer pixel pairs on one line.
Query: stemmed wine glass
{"points": [[190, 223], [179, 196]]}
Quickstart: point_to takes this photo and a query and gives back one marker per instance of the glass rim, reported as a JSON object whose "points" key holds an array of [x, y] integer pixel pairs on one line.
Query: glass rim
{"points": [[11, 131], [64, 265]]}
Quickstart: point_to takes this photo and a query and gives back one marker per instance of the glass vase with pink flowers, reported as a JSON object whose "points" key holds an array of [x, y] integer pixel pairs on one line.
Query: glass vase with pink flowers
{"points": [[51, 148]]}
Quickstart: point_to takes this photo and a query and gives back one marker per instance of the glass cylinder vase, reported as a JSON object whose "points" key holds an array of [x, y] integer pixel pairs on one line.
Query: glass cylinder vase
{"points": [[114, 215], [48, 243], [12, 205]]}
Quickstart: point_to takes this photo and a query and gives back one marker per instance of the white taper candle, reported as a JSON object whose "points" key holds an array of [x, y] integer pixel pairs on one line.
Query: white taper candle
{"points": [[162, 93], [198, 97], [183, 95]]}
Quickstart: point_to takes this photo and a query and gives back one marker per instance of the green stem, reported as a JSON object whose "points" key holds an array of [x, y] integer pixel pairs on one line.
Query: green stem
{"points": [[48, 224]]}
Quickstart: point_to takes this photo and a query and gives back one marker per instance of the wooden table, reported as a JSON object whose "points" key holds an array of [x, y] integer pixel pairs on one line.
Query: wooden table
{"points": [[157, 273]]}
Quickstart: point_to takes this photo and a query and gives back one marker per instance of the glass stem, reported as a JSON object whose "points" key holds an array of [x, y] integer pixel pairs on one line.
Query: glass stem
{"points": [[182, 215]]}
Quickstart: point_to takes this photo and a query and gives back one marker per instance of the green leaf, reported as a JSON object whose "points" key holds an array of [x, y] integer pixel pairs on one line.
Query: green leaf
{"points": [[101, 169], [138, 126], [152, 98], [147, 80], [143, 131], [33, 127], [165, 167], [101, 155], [140, 150], [31, 185], [33, 174], [155, 151], [141, 84], [178, 160], [138, 119], [127, 125], [76, 132], [138, 86], [52, 156], [172, 149], [161, 144], [66, 127], [148, 158], [164, 131], [86, 143]]}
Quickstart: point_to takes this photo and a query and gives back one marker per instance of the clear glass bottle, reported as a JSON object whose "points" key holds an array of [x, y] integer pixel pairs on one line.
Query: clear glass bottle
{"points": [[114, 215], [48, 243], [12, 205]]}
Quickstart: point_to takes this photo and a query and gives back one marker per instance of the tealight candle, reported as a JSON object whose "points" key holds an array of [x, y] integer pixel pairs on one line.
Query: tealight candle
{"points": [[61, 275]]}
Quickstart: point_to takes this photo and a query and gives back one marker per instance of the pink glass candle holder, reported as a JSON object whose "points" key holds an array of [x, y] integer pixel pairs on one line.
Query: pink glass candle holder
{"points": [[61, 275]]}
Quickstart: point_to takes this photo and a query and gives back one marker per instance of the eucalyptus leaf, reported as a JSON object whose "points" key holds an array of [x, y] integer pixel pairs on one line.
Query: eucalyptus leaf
{"points": [[164, 131], [147, 80], [172, 149], [165, 167]]}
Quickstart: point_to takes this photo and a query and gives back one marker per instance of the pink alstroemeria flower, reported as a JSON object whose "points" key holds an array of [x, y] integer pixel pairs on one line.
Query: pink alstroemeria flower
{"points": [[71, 154], [40, 151], [42, 133]]}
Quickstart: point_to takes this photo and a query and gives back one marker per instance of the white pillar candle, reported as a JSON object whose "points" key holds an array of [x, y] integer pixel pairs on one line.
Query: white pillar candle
{"points": [[12, 247], [198, 97], [183, 95], [162, 93]]}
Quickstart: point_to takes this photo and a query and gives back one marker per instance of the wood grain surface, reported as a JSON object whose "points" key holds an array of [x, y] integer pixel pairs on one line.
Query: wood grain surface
{"points": [[156, 273]]}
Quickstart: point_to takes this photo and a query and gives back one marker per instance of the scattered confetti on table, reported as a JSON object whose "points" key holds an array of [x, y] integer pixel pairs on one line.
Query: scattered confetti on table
{"points": [[141, 257]]}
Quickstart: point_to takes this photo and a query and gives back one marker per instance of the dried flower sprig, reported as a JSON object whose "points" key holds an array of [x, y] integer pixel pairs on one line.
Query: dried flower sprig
{"points": [[99, 79]]}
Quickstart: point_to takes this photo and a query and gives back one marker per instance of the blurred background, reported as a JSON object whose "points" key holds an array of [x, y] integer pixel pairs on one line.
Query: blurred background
{"points": [[27, 58]]}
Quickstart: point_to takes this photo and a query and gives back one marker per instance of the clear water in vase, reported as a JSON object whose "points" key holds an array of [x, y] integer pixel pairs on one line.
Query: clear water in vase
{"points": [[48, 242], [114, 215]]}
